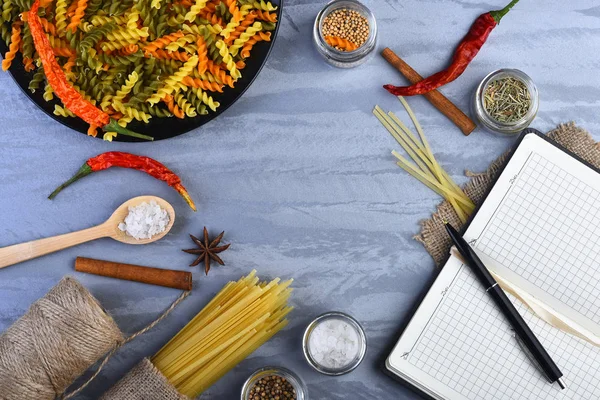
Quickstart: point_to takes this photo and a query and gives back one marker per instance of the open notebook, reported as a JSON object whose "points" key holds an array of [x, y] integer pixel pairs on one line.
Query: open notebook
{"points": [[539, 229]]}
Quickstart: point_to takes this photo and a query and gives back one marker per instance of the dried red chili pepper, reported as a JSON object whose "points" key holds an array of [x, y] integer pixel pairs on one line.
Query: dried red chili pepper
{"points": [[465, 52], [126, 160], [57, 79]]}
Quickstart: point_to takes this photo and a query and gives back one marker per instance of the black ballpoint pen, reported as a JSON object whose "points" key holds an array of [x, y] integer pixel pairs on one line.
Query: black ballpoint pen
{"points": [[520, 327]]}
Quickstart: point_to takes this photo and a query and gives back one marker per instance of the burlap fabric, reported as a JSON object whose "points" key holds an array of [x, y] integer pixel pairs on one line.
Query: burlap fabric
{"points": [[60, 337], [433, 234], [143, 382]]}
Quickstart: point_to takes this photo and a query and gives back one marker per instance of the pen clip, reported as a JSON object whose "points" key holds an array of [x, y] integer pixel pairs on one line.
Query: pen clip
{"points": [[530, 356]]}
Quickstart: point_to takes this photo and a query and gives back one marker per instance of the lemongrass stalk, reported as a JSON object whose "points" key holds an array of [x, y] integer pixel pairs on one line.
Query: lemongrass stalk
{"points": [[420, 160], [419, 129], [432, 184]]}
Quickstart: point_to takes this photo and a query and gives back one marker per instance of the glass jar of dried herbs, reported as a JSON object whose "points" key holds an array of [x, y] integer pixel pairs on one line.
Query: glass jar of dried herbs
{"points": [[506, 101]]}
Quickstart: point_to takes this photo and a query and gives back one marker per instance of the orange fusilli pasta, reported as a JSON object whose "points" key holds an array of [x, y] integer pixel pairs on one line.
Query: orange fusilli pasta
{"points": [[49, 27], [202, 84], [241, 28], [340, 43], [28, 64], [161, 42], [15, 43], [220, 73], [92, 130], [212, 18], [173, 107], [236, 15], [78, 14], [202, 55], [259, 37], [169, 55], [127, 50], [266, 16]]}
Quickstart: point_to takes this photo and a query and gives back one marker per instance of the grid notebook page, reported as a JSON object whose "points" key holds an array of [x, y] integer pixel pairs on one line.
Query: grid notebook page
{"points": [[547, 230], [469, 347]]}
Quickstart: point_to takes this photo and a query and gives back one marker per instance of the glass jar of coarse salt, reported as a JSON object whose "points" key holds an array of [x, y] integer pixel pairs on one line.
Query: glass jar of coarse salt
{"points": [[345, 33], [334, 343]]}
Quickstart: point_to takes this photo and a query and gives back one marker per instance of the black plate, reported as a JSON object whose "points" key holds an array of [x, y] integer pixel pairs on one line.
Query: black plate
{"points": [[159, 128]]}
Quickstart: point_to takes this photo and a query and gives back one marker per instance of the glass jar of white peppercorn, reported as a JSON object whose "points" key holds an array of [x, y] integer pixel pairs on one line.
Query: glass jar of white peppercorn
{"points": [[347, 19], [263, 375]]}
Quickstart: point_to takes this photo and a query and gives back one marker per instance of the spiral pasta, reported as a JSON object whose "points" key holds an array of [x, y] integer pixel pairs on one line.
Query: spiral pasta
{"points": [[77, 15], [234, 10], [99, 20], [171, 55], [220, 74], [195, 10], [154, 111], [241, 28], [184, 105], [180, 42], [36, 81], [259, 37], [200, 107], [231, 25], [48, 93], [228, 60], [162, 42], [202, 55], [7, 7], [123, 37], [27, 49], [139, 60], [244, 37], [62, 111], [61, 16], [260, 5], [202, 84], [344, 44], [131, 113], [173, 107], [92, 130], [265, 16], [126, 88], [206, 99], [15, 42], [170, 83]]}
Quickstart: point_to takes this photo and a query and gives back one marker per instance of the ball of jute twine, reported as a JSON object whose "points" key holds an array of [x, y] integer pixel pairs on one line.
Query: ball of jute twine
{"points": [[59, 338]]}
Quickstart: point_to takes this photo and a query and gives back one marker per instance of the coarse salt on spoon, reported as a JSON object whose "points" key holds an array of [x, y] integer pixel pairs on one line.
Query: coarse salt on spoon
{"points": [[26, 251]]}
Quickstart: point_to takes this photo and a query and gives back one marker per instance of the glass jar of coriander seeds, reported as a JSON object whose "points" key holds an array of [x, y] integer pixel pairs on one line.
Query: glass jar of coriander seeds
{"points": [[506, 102], [274, 382], [345, 33]]}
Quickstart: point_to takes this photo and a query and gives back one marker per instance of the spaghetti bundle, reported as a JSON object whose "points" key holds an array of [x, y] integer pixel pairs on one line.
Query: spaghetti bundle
{"points": [[241, 317]]}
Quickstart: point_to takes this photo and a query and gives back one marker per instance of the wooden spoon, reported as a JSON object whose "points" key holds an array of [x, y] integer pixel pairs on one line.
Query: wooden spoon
{"points": [[26, 251]]}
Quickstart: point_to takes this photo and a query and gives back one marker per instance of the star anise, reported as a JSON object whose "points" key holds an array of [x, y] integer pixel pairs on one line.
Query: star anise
{"points": [[207, 250]]}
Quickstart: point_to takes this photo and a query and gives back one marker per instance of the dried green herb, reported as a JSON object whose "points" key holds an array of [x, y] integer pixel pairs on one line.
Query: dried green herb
{"points": [[506, 100]]}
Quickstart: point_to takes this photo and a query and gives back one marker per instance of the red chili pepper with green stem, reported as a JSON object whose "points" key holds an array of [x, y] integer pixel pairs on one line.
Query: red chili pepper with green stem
{"points": [[57, 79], [464, 54], [126, 160]]}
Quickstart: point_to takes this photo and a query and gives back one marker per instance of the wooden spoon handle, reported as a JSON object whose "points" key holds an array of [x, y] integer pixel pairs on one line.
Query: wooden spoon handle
{"points": [[26, 251]]}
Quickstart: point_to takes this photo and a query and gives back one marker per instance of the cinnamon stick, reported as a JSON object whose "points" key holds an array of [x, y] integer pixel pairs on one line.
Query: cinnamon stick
{"points": [[154, 276], [441, 102]]}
